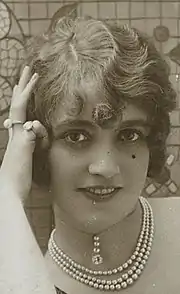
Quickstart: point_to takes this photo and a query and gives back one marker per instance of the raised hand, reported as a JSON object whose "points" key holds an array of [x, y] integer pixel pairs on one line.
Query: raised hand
{"points": [[16, 169]]}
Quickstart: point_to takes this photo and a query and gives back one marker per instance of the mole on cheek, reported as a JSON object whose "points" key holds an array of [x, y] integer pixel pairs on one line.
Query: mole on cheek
{"points": [[133, 156]]}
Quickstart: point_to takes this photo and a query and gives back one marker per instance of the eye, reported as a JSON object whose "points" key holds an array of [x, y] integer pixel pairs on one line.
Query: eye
{"points": [[130, 135], [75, 137]]}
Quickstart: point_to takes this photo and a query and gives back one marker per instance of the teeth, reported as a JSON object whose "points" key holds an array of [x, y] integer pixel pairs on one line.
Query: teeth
{"points": [[101, 191]]}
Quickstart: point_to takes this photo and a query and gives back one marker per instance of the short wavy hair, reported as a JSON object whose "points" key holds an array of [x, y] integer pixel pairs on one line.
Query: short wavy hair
{"points": [[121, 62]]}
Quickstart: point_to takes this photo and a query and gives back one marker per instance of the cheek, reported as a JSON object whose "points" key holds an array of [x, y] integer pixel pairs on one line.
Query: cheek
{"points": [[136, 160], [64, 163]]}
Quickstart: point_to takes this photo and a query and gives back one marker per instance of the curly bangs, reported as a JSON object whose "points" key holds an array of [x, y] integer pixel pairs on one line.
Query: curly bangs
{"points": [[121, 62]]}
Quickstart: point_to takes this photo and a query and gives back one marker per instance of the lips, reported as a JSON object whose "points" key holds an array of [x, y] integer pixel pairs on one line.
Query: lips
{"points": [[99, 193]]}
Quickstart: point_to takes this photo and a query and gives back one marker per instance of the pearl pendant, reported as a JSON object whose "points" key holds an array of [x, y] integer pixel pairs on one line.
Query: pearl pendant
{"points": [[97, 259]]}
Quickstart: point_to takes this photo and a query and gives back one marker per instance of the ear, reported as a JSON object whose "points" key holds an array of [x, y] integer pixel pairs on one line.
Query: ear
{"points": [[66, 10]]}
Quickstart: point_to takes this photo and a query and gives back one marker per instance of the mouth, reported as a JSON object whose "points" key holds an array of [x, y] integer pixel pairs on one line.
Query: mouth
{"points": [[100, 193]]}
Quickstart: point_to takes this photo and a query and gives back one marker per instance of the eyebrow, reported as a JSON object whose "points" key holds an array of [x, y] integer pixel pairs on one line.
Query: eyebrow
{"points": [[75, 123], [135, 122], [87, 123]]}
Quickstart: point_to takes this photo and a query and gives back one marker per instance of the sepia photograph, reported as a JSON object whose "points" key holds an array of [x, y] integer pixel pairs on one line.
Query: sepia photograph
{"points": [[89, 147]]}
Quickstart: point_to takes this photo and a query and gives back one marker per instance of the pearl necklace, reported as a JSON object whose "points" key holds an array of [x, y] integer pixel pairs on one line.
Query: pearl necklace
{"points": [[130, 270]]}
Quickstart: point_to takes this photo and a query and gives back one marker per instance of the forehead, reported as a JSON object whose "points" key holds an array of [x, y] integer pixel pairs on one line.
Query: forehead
{"points": [[67, 111]]}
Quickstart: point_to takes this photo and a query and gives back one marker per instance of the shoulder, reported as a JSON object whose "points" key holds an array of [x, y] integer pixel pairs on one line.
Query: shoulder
{"points": [[167, 223], [164, 262], [166, 211]]}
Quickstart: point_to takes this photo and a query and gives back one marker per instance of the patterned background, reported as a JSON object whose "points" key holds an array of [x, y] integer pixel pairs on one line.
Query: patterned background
{"points": [[22, 19]]}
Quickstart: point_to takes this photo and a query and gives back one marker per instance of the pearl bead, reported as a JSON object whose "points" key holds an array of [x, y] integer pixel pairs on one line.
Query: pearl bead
{"points": [[120, 268], [129, 261], [141, 267], [138, 271], [106, 287], [135, 276], [125, 276], [129, 281], [118, 287], [112, 287], [124, 285], [96, 244], [67, 270], [96, 238], [78, 278], [101, 287], [125, 265], [133, 268], [97, 250]]}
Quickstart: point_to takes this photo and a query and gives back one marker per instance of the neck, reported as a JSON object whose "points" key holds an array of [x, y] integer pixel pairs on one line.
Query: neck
{"points": [[116, 243]]}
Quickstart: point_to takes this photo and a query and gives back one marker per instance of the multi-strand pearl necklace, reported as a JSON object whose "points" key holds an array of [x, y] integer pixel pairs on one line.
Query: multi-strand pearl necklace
{"points": [[128, 272]]}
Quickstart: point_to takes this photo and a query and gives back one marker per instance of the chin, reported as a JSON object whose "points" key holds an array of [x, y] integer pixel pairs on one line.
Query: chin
{"points": [[95, 226]]}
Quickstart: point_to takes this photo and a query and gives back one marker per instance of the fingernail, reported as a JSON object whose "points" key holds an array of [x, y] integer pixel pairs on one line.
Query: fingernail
{"points": [[35, 76]]}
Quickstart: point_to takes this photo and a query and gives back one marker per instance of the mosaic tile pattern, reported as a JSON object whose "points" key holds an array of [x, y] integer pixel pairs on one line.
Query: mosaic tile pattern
{"points": [[23, 18]]}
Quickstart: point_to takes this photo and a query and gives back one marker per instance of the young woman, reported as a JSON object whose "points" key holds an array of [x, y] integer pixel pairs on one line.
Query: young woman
{"points": [[90, 126]]}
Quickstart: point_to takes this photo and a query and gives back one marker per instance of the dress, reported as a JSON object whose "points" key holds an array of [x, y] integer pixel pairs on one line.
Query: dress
{"points": [[59, 291]]}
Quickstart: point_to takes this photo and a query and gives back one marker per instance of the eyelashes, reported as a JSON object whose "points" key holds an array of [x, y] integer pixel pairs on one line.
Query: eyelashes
{"points": [[76, 137], [80, 137], [130, 135]]}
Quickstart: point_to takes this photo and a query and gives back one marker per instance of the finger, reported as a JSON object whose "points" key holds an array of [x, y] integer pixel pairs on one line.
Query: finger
{"points": [[20, 100], [30, 86], [28, 131], [24, 78], [15, 88], [38, 130], [41, 133], [14, 93]]}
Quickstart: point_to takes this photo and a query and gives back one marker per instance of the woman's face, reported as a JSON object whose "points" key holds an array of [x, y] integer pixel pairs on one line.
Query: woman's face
{"points": [[86, 155]]}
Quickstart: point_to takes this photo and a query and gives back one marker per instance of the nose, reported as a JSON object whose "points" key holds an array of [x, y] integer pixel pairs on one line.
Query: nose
{"points": [[104, 165]]}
